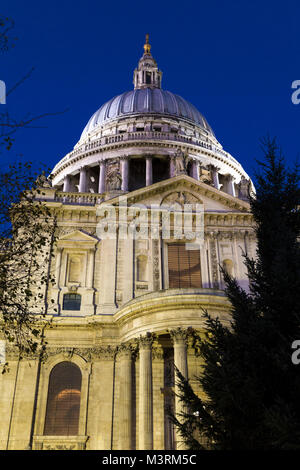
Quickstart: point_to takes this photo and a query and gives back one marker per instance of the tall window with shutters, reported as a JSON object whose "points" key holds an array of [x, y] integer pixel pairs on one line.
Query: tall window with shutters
{"points": [[63, 404], [183, 266]]}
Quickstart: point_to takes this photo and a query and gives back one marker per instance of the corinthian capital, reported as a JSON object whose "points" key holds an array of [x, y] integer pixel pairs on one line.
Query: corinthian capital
{"points": [[145, 342], [125, 350], [179, 334]]}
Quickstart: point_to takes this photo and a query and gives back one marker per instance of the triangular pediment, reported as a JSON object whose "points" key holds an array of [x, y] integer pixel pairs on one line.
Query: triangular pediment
{"points": [[184, 189], [78, 236]]}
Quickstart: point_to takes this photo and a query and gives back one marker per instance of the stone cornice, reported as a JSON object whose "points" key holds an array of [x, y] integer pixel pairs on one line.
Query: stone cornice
{"points": [[177, 183], [231, 235], [105, 353], [162, 312], [67, 352], [12, 353]]}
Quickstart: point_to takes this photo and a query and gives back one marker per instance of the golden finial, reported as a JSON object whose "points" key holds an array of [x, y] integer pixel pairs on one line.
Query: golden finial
{"points": [[147, 46]]}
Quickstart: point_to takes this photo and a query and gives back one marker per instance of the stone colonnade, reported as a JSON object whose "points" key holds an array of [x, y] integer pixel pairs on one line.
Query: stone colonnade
{"points": [[125, 169], [145, 410]]}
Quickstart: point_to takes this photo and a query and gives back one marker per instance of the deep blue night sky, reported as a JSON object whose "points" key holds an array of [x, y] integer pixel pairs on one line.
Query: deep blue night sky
{"points": [[234, 60]]}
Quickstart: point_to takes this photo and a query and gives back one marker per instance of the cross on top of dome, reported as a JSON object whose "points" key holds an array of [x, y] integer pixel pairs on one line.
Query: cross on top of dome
{"points": [[147, 74]]}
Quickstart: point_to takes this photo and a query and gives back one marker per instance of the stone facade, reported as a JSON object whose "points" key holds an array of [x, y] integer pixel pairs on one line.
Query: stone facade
{"points": [[131, 327]]}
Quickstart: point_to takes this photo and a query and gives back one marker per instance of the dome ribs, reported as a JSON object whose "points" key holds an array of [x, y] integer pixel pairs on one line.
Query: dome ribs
{"points": [[145, 101]]}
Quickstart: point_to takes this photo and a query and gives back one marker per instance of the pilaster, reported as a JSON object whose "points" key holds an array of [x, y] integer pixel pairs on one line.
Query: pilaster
{"points": [[145, 393]]}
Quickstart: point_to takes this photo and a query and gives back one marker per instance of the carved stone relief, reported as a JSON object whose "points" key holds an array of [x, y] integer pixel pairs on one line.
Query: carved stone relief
{"points": [[156, 280], [180, 197], [113, 176], [214, 264], [180, 163]]}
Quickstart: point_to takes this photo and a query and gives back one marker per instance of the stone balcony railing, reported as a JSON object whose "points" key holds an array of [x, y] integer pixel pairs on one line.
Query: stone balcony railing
{"points": [[83, 199], [143, 136], [66, 443]]}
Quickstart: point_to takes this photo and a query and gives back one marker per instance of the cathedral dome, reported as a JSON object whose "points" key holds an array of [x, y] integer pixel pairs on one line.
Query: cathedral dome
{"points": [[144, 136], [146, 101]]}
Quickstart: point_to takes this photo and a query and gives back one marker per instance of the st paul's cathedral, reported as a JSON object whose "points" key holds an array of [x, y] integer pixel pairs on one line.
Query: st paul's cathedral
{"points": [[130, 283]]}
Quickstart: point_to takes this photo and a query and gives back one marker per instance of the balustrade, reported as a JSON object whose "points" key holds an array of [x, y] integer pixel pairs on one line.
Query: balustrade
{"points": [[139, 135]]}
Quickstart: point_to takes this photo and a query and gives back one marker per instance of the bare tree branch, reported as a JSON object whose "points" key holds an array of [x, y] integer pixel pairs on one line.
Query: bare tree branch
{"points": [[6, 41], [20, 81]]}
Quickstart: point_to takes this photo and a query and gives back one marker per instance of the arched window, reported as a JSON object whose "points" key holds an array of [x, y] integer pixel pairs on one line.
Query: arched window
{"points": [[228, 266], [141, 265], [71, 302], [63, 404]]}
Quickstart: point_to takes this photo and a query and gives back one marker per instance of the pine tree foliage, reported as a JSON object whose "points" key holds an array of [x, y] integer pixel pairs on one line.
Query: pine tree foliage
{"points": [[251, 385]]}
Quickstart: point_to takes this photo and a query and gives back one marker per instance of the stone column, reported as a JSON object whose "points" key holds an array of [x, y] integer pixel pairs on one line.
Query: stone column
{"points": [[195, 169], [149, 172], [83, 180], [125, 173], [179, 336], [230, 186], [67, 184], [125, 422], [145, 394], [101, 186], [215, 177]]}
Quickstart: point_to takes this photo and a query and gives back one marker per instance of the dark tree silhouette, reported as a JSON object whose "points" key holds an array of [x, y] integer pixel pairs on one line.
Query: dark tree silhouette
{"points": [[251, 385]]}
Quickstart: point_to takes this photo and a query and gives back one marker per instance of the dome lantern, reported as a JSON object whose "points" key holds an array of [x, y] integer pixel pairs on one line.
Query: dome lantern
{"points": [[147, 74]]}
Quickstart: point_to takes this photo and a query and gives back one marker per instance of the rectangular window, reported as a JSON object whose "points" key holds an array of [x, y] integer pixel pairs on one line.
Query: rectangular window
{"points": [[71, 302], [184, 266]]}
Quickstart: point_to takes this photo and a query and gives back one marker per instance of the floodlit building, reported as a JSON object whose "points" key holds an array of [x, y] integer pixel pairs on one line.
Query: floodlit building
{"points": [[148, 206]]}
